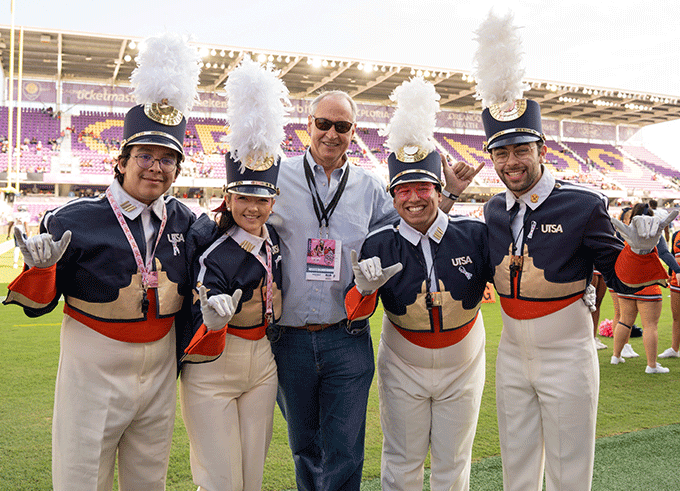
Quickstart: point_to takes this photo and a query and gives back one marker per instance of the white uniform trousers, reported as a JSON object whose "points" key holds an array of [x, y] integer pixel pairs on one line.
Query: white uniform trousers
{"points": [[547, 385], [429, 398], [228, 410], [110, 397]]}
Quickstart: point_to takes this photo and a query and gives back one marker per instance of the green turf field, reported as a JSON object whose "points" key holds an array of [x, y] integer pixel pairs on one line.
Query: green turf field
{"points": [[630, 401]]}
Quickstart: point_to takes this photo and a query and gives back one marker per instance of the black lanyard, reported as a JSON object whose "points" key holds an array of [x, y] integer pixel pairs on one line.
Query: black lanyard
{"points": [[323, 213]]}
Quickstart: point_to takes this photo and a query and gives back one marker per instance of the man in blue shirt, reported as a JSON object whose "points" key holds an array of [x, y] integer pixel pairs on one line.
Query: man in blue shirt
{"points": [[325, 369]]}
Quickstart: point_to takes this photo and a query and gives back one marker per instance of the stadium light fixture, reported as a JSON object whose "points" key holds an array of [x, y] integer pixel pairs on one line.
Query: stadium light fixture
{"points": [[270, 58], [203, 52], [333, 64], [132, 45], [208, 65], [127, 58], [213, 52], [231, 54], [279, 58], [287, 59], [222, 53]]}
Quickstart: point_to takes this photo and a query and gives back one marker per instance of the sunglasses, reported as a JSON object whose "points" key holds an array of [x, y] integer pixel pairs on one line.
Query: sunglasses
{"points": [[326, 124]]}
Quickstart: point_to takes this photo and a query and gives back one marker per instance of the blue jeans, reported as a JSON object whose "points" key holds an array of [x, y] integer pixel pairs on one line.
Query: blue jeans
{"points": [[324, 380]]}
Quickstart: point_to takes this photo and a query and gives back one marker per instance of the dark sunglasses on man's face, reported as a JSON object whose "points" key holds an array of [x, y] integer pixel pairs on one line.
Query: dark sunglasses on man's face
{"points": [[326, 124]]}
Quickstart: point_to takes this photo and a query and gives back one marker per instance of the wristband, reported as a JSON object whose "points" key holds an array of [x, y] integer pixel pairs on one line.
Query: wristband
{"points": [[451, 196]]}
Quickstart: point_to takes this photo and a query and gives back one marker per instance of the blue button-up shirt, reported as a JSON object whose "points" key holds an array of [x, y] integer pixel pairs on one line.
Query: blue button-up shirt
{"points": [[364, 206]]}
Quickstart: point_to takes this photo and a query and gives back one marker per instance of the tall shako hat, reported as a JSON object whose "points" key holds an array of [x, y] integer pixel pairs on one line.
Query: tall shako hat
{"points": [[410, 135], [257, 109], [165, 82], [508, 118]]}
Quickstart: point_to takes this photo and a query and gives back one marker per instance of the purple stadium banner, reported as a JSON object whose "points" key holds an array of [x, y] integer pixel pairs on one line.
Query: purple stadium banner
{"points": [[37, 91], [589, 131], [459, 121], [211, 102], [99, 95], [627, 132], [366, 113]]}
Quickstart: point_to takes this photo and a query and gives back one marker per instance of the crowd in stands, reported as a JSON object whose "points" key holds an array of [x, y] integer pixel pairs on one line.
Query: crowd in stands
{"points": [[96, 144]]}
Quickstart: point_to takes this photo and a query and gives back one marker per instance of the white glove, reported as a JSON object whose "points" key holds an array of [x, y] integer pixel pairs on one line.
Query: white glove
{"points": [[218, 309], [644, 231], [41, 250], [590, 298], [369, 274]]}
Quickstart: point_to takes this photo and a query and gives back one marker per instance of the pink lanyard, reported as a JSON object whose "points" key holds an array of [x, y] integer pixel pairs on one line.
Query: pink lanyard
{"points": [[149, 277], [269, 314]]}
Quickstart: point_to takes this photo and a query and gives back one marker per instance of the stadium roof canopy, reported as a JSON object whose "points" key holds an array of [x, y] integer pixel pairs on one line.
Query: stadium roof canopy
{"points": [[103, 59]]}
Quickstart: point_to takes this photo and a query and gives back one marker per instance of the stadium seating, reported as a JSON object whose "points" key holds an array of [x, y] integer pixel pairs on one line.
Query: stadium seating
{"points": [[654, 163], [36, 126], [95, 138]]}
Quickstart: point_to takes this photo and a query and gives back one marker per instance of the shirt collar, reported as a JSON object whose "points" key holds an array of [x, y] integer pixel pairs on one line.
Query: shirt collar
{"points": [[536, 195], [131, 207], [247, 241], [435, 232], [313, 163]]}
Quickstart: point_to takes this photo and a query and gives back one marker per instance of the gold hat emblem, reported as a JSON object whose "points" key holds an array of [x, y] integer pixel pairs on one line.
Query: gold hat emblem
{"points": [[508, 111], [258, 162], [163, 113], [534, 198], [411, 153]]}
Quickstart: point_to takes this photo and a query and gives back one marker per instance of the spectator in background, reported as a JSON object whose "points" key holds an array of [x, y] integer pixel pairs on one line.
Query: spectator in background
{"points": [[662, 214], [674, 350], [648, 303], [19, 221], [627, 351]]}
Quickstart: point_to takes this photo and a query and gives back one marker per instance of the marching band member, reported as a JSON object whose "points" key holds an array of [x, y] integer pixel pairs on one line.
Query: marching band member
{"points": [[229, 379], [431, 362], [119, 262], [545, 238]]}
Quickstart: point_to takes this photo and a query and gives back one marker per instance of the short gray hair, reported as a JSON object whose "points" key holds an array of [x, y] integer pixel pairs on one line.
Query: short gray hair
{"points": [[335, 93]]}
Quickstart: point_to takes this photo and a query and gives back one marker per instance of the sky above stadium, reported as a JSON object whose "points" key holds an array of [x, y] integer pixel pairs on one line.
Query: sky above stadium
{"points": [[616, 44]]}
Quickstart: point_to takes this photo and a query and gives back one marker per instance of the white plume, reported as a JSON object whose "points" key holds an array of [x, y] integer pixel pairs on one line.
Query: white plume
{"points": [[167, 68], [257, 110], [498, 61], [414, 120]]}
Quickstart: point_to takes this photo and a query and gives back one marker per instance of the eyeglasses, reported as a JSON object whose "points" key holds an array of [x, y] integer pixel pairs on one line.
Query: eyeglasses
{"points": [[423, 190], [326, 124], [502, 155], [145, 161]]}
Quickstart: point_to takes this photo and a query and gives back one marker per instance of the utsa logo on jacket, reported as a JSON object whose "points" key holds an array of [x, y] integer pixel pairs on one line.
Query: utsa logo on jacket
{"points": [[461, 262], [98, 274], [564, 237]]}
